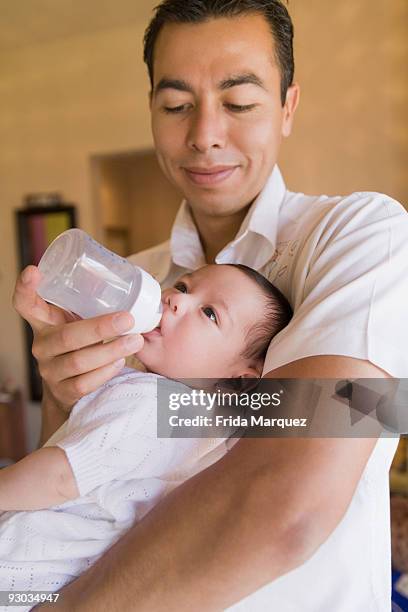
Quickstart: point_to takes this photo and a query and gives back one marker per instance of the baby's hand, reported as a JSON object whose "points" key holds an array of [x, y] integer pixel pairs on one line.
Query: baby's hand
{"points": [[40, 480]]}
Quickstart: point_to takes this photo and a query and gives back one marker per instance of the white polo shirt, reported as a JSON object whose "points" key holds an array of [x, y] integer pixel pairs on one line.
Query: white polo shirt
{"points": [[342, 262]]}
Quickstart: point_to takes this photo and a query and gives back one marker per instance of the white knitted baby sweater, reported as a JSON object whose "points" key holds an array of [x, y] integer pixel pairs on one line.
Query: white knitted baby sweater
{"points": [[122, 470]]}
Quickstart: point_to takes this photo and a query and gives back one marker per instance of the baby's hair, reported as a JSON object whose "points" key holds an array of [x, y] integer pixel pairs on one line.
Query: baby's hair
{"points": [[278, 313]]}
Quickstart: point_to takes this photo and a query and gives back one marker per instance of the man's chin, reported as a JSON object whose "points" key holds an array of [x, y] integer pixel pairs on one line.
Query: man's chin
{"points": [[216, 193], [216, 205]]}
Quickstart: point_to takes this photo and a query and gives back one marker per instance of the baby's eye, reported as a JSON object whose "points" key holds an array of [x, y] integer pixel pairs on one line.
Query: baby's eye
{"points": [[208, 311], [181, 287]]}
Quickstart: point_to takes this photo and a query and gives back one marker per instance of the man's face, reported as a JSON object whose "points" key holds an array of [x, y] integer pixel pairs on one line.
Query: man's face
{"points": [[217, 116], [203, 330]]}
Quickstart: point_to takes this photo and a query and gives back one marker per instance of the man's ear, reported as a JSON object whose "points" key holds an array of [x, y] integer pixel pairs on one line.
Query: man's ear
{"points": [[289, 108]]}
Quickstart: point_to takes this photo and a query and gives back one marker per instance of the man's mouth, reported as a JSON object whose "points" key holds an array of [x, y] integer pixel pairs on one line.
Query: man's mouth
{"points": [[209, 175]]}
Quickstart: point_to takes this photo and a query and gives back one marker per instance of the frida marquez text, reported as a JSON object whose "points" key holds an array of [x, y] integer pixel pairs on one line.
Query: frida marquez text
{"points": [[235, 421]]}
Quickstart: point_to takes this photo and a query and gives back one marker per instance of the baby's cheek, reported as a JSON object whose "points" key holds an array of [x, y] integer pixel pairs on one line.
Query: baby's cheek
{"points": [[184, 340]]}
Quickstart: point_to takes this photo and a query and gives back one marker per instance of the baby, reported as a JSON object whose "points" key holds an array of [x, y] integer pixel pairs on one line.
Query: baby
{"points": [[105, 467]]}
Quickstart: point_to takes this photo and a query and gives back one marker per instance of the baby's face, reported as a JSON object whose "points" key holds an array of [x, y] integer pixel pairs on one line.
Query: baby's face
{"points": [[202, 333]]}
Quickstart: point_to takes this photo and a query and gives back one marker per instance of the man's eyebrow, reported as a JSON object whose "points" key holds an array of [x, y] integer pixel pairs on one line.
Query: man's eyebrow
{"points": [[177, 84], [248, 78]]}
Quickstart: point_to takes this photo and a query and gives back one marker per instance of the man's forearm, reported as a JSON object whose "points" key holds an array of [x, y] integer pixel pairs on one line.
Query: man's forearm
{"points": [[208, 544], [52, 416], [262, 510]]}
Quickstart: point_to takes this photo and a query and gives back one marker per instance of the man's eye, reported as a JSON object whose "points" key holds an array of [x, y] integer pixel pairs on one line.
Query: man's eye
{"points": [[240, 108], [208, 311], [175, 109], [181, 287]]}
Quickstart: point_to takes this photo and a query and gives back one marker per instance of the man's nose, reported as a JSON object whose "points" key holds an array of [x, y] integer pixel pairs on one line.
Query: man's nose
{"points": [[207, 130]]}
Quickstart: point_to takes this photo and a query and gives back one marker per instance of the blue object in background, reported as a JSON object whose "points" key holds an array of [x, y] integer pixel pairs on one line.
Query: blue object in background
{"points": [[398, 599]]}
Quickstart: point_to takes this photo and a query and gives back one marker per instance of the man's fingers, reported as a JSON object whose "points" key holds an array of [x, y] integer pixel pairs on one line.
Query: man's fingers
{"points": [[30, 306], [79, 334], [71, 356], [73, 389], [91, 358]]}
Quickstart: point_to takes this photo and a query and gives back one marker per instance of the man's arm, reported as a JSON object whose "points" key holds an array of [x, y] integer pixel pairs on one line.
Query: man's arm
{"points": [[259, 512], [52, 416], [40, 480]]}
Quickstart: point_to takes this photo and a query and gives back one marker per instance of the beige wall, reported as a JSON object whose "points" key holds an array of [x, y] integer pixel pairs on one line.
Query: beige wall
{"points": [[62, 102], [351, 130], [59, 104]]}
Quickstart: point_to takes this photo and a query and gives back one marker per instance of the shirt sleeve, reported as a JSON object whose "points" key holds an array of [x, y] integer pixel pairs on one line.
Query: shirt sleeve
{"points": [[113, 434], [354, 299]]}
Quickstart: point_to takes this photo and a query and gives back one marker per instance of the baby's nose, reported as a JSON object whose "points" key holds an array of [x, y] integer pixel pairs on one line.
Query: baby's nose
{"points": [[175, 301]]}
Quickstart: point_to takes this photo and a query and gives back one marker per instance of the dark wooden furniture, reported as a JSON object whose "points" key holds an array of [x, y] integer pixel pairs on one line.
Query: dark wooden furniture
{"points": [[13, 445], [37, 227]]}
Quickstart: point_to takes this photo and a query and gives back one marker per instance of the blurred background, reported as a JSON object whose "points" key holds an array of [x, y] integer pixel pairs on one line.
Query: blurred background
{"points": [[74, 120]]}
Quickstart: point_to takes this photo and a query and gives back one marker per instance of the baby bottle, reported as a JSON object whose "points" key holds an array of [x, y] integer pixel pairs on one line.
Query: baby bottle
{"points": [[85, 278]]}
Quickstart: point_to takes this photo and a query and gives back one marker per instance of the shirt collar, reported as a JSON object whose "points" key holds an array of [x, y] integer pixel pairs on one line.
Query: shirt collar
{"points": [[255, 241], [185, 245]]}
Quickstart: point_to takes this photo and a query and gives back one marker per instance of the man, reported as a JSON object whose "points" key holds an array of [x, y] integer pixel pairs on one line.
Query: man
{"points": [[311, 512]]}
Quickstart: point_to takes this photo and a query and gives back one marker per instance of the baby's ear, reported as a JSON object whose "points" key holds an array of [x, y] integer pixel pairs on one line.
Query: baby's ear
{"points": [[247, 377], [250, 371], [237, 385]]}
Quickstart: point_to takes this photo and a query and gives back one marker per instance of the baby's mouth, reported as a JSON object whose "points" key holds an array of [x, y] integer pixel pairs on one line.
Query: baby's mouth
{"points": [[154, 332]]}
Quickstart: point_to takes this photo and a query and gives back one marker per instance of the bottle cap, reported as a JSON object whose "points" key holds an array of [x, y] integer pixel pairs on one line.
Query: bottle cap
{"points": [[147, 309]]}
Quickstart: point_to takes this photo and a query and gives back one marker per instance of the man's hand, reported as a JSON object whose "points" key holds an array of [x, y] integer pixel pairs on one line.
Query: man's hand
{"points": [[72, 358]]}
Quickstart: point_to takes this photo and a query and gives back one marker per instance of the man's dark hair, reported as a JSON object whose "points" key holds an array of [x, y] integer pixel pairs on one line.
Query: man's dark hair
{"points": [[199, 11], [278, 313]]}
